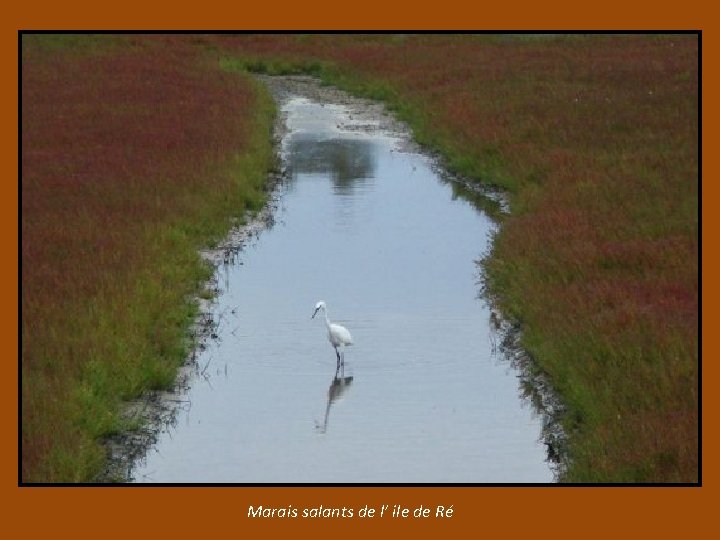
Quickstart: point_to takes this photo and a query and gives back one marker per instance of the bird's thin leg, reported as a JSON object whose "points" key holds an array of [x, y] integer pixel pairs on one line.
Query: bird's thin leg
{"points": [[337, 353]]}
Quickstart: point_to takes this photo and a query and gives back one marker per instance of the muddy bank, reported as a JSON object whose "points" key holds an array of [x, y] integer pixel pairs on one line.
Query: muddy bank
{"points": [[534, 387], [156, 411]]}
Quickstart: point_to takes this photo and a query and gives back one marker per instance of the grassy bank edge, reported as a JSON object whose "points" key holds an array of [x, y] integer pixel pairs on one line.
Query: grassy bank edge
{"points": [[171, 290], [139, 346]]}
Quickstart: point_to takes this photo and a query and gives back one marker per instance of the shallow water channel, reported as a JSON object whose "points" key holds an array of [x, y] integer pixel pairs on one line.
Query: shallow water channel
{"points": [[364, 222]]}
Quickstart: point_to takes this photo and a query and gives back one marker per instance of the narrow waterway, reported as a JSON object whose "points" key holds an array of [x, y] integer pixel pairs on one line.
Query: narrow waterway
{"points": [[365, 223]]}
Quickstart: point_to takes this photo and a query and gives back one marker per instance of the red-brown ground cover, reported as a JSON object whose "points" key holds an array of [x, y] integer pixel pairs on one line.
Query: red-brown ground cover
{"points": [[133, 155]]}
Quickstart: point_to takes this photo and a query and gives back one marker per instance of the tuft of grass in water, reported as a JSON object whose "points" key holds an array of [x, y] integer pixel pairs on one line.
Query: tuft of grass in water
{"points": [[132, 160]]}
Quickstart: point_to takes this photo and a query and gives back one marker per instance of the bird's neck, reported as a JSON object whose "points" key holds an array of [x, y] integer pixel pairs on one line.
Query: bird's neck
{"points": [[327, 320]]}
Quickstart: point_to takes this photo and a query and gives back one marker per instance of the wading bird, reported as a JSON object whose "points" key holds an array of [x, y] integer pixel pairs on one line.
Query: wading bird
{"points": [[338, 335]]}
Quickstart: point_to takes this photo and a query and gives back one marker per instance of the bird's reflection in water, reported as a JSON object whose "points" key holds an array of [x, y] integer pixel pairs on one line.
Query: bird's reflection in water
{"points": [[338, 387]]}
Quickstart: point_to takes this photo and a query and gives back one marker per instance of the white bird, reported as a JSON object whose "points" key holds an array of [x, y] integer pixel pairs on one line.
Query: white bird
{"points": [[339, 336]]}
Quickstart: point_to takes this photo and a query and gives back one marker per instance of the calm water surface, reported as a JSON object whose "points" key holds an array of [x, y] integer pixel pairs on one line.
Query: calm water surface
{"points": [[371, 230]]}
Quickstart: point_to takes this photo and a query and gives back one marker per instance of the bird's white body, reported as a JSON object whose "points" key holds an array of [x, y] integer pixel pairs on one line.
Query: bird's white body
{"points": [[338, 335]]}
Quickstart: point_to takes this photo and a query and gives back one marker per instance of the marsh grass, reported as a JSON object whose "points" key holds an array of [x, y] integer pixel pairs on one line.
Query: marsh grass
{"points": [[133, 158], [594, 138]]}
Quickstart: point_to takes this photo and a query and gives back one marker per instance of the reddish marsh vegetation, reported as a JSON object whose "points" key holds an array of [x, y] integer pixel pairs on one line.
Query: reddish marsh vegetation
{"points": [[596, 138], [133, 156], [128, 154]]}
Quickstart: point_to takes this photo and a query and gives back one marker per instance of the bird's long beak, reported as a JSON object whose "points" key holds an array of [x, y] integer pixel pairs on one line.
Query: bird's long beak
{"points": [[313, 315]]}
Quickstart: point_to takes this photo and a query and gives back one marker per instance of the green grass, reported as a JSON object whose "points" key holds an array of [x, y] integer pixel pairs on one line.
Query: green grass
{"points": [[79, 44], [167, 151]]}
